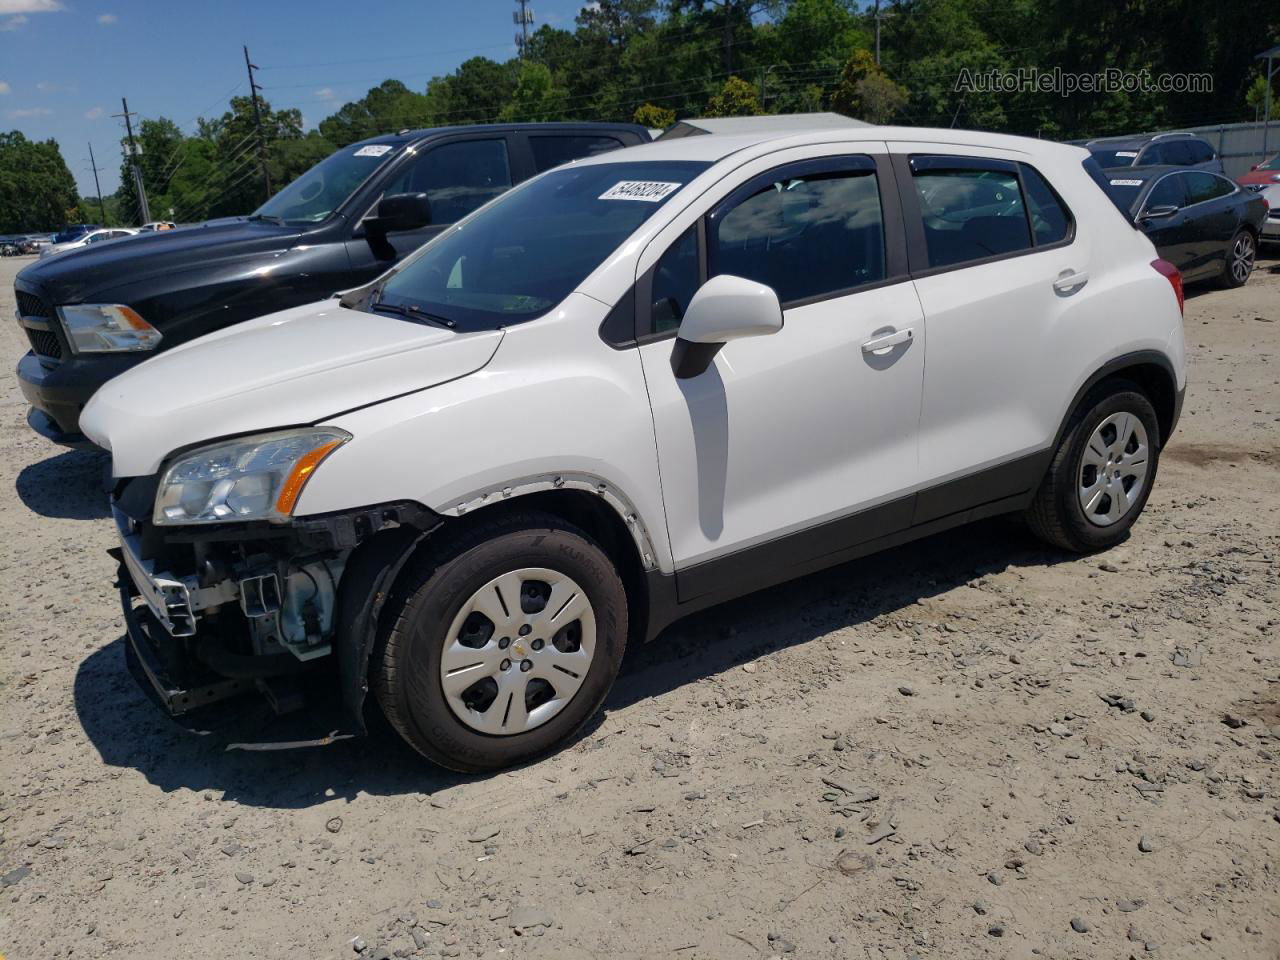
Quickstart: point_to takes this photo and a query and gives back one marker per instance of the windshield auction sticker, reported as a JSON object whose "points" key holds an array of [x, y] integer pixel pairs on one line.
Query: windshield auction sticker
{"points": [[649, 191], [1126, 183], [373, 150]]}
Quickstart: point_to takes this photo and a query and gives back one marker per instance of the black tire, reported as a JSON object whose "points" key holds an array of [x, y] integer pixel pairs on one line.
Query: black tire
{"points": [[1244, 246], [405, 672], [1056, 515]]}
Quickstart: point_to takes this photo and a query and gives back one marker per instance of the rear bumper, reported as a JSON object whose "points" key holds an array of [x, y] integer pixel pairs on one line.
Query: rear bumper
{"points": [[1270, 229]]}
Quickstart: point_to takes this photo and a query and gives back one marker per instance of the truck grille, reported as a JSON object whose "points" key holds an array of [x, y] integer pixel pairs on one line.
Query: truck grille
{"points": [[29, 305], [44, 342]]}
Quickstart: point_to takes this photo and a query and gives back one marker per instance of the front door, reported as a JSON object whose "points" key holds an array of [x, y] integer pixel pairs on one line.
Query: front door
{"points": [[802, 442], [457, 176]]}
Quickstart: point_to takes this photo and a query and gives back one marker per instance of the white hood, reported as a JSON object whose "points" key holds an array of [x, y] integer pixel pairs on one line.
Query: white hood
{"points": [[286, 369]]}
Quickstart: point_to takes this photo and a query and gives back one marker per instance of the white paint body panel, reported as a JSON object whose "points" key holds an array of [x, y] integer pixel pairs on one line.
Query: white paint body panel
{"points": [[782, 432]]}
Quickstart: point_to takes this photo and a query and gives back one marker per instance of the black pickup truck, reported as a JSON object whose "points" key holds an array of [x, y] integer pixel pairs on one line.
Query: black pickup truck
{"points": [[92, 314]]}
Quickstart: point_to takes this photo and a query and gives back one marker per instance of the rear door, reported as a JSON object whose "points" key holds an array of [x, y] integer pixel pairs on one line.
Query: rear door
{"points": [[997, 265], [1213, 218], [551, 149]]}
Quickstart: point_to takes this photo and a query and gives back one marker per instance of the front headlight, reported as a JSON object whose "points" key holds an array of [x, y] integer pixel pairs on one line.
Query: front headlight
{"points": [[107, 328], [254, 478]]}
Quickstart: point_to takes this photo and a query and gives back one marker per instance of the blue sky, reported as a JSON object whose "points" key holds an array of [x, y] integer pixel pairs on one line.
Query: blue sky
{"points": [[64, 64]]}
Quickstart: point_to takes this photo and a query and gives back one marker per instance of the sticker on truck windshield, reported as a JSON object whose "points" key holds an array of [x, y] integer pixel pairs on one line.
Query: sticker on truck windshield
{"points": [[373, 150], [1126, 183], [1126, 153], [650, 191]]}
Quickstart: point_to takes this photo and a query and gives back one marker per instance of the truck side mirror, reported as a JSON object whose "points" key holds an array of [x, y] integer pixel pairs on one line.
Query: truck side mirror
{"points": [[400, 212]]}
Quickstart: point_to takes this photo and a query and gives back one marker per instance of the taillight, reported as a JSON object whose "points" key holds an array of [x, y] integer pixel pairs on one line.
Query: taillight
{"points": [[1174, 275]]}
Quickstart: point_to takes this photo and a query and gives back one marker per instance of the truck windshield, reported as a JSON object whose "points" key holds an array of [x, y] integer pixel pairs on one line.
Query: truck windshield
{"points": [[322, 189], [530, 248]]}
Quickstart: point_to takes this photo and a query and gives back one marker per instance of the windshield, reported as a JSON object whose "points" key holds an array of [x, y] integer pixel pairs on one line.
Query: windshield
{"points": [[526, 252], [1119, 157], [322, 189]]}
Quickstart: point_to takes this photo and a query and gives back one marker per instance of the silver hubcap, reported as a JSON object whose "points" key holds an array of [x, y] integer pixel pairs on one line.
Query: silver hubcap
{"points": [[1242, 258], [1113, 470], [518, 651]]}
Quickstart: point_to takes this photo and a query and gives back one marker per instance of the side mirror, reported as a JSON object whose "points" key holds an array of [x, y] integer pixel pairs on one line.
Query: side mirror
{"points": [[724, 308], [1159, 212], [400, 212]]}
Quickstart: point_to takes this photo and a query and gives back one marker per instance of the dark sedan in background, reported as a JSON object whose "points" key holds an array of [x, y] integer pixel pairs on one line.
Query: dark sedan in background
{"points": [[1203, 223]]}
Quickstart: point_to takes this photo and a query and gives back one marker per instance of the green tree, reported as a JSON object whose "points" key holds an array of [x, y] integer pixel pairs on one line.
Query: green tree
{"points": [[536, 97], [736, 99], [657, 118], [865, 92], [386, 108], [37, 191]]}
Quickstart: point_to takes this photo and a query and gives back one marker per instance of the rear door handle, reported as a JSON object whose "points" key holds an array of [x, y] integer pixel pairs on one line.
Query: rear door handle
{"points": [[887, 341], [1071, 281]]}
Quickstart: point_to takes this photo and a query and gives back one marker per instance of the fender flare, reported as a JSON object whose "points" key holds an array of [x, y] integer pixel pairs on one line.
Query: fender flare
{"points": [[1115, 365]]}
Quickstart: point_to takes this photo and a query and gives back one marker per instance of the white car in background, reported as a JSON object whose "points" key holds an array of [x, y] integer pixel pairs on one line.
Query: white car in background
{"points": [[97, 236], [632, 387], [1270, 231]]}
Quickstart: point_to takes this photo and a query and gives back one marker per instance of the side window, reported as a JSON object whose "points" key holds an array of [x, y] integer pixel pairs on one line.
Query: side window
{"points": [[1154, 153], [970, 214], [1201, 152], [1205, 186], [804, 236], [550, 152], [675, 281], [456, 177], [1171, 191], [1049, 218]]}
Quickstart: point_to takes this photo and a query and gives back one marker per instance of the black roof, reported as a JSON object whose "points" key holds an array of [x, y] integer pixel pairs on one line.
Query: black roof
{"points": [[412, 136]]}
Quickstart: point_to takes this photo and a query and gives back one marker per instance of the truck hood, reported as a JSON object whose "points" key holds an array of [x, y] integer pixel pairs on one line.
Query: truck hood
{"points": [[88, 273], [286, 369]]}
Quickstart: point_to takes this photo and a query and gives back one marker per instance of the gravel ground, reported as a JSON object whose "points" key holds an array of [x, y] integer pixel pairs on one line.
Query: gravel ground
{"points": [[968, 747]]}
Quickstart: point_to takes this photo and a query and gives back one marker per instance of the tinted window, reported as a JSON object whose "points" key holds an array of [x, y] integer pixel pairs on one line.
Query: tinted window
{"points": [[322, 189], [1171, 191], [1180, 153], [675, 281], [804, 236], [456, 177], [1049, 218], [1201, 152], [550, 152], [1115, 158], [1155, 153], [971, 214], [1205, 186], [534, 245]]}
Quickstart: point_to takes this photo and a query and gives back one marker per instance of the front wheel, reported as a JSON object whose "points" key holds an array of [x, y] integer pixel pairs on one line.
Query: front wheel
{"points": [[1240, 259], [1102, 472], [505, 646]]}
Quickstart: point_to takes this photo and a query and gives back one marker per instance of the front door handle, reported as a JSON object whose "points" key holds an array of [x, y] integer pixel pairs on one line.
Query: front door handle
{"points": [[1071, 281], [887, 341]]}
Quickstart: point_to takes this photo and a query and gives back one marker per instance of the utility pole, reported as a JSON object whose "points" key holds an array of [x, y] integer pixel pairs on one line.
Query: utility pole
{"points": [[102, 209], [257, 120], [143, 209], [878, 16], [522, 17]]}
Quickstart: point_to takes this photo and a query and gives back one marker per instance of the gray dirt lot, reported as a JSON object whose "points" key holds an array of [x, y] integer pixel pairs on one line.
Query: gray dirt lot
{"points": [[758, 786]]}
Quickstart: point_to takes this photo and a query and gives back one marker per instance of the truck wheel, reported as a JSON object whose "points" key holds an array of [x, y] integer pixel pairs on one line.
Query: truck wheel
{"points": [[505, 646], [1102, 472]]}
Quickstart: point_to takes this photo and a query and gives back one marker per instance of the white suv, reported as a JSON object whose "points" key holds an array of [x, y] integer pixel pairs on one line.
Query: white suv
{"points": [[633, 387]]}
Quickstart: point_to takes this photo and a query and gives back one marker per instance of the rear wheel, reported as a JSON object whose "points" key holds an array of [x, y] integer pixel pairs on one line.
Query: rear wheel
{"points": [[1240, 259], [1102, 471], [506, 644]]}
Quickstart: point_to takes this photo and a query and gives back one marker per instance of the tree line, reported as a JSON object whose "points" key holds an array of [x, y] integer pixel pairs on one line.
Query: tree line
{"points": [[652, 62]]}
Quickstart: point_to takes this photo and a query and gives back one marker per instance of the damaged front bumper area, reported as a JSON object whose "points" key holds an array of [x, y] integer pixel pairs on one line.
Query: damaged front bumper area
{"points": [[219, 610]]}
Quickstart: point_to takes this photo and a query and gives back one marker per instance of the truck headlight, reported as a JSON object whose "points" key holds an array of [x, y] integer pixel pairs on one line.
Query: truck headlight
{"points": [[254, 478], [107, 328]]}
